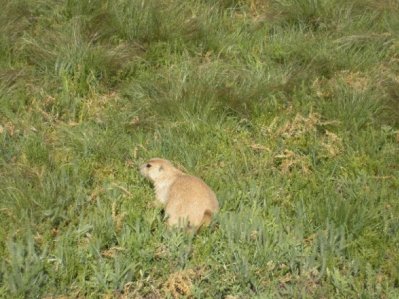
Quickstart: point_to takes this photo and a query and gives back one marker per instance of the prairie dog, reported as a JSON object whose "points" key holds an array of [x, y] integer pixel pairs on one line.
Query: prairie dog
{"points": [[188, 201]]}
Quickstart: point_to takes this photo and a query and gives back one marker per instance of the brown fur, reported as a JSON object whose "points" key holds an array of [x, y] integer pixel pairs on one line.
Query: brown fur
{"points": [[188, 201]]}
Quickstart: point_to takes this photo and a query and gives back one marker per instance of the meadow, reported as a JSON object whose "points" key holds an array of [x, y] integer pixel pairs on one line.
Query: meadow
{"points": [[288, 109]]}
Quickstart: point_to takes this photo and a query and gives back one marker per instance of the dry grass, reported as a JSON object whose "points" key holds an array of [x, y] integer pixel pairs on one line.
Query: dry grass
{"points": [[288, 109]]}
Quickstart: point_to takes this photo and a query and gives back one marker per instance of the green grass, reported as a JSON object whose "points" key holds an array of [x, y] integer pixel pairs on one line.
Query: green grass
{"points": [[288, 109]]}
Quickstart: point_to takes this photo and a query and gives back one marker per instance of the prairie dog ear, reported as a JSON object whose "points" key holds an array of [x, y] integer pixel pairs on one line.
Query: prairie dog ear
{"points": [[160, 168]]}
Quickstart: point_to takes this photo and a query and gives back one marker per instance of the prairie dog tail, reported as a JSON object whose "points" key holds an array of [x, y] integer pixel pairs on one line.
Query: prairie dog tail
{"points": [[206, 220]]}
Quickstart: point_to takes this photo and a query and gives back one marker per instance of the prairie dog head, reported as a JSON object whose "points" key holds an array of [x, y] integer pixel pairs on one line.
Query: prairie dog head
{"points": [[157, 170]]}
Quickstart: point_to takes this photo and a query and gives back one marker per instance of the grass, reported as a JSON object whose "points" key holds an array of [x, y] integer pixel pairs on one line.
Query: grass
{"points": [[287, 109]]}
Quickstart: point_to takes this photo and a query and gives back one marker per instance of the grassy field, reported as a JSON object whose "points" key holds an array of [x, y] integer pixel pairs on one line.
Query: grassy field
{"points": [[288, 109]]}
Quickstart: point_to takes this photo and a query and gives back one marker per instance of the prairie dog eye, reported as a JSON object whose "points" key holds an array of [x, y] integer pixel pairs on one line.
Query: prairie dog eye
{"points": [[148, 165]]}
